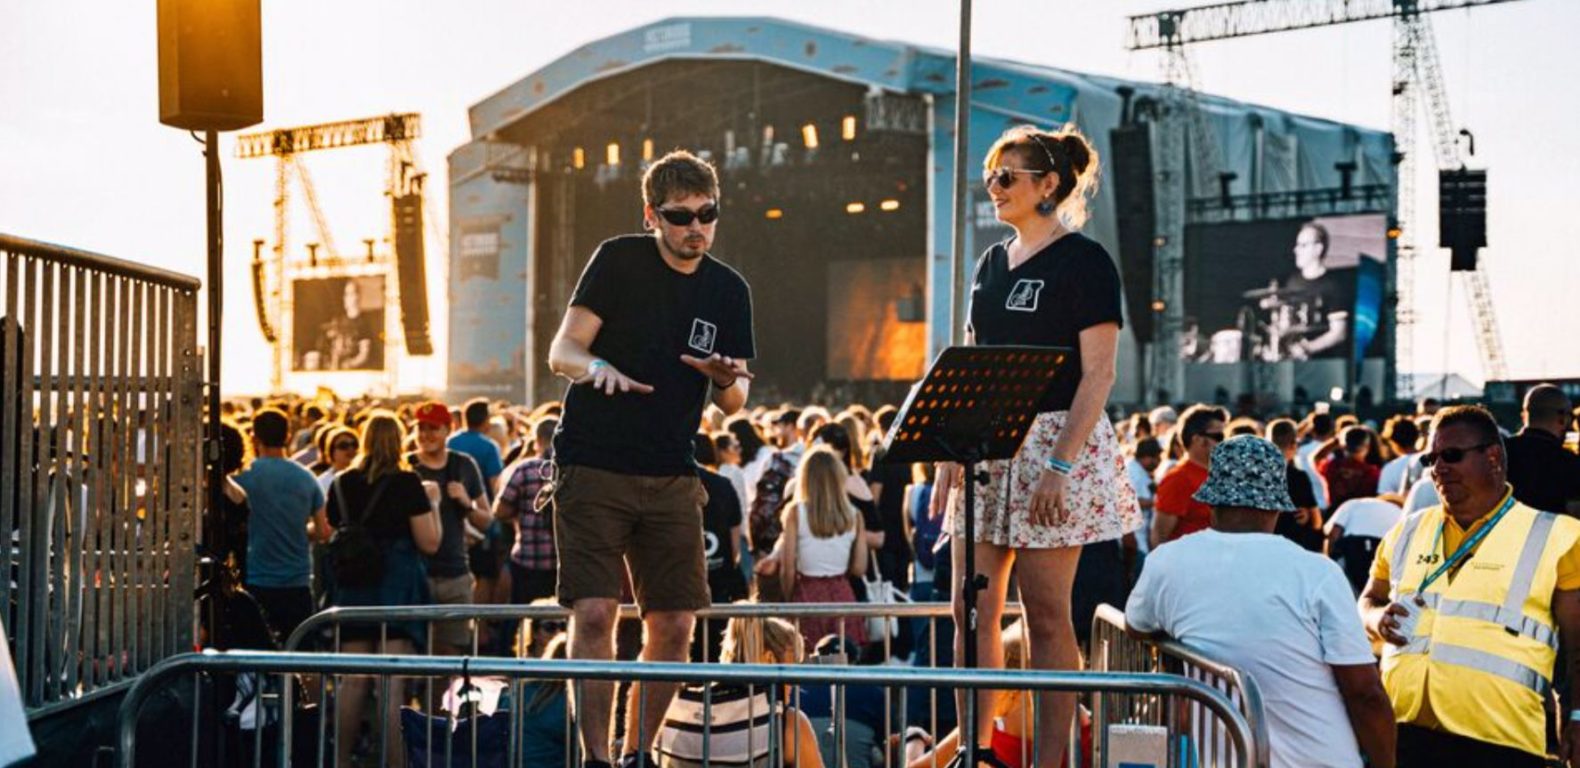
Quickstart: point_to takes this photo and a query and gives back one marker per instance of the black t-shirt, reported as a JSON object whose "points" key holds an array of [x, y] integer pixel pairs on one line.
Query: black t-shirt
{"points": [[1301, 493], [894, 477], [722, 512], [1067, 287], [1300, 490], [403, 498], [450, 560], [1545, 476], [651, 316]]}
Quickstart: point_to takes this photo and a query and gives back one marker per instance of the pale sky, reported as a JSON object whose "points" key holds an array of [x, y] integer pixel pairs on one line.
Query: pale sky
{"points": [[84, 161]]}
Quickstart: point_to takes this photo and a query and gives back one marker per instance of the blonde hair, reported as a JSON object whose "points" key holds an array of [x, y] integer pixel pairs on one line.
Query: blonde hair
{"points": [[1016, 653], [820, 490], [858, 437], [1066, 153], [382, 437], [750, 639]]}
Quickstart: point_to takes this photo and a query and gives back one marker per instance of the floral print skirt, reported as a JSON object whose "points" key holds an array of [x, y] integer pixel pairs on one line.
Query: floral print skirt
{"points": [[1099, 503]]}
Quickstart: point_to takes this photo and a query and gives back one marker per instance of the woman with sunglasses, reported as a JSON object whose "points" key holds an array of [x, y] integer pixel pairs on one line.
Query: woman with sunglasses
{"points": [[1048, 285], [341, 445]]}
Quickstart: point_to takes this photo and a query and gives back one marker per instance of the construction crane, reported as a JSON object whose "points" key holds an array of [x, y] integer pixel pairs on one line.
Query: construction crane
{"points": [[397, 131], [1417, 81]]}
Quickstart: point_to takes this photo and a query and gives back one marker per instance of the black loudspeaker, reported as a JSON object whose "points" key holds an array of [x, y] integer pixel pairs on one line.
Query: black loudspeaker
{"points": [[210, 64], [1462, 216], [412, 269], [1130, 173]]}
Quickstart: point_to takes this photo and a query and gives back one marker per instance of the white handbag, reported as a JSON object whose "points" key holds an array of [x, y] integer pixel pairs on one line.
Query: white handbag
{"points": [[881, 591]]}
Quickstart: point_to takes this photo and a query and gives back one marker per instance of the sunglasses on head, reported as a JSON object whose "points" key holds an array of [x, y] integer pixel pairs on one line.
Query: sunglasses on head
{"points": [[1451, 455], [1005, 177], [682, 217]]}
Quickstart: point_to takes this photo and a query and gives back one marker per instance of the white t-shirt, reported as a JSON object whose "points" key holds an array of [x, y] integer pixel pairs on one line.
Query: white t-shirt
{"points": [[1365, 517], [1392, 478], [1319, 484], [1282, 614], [1422, 495], [1141, 481], [16, 741]]}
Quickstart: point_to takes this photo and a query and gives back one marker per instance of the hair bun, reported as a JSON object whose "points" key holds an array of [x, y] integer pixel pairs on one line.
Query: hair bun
{"points": [[1079, 152]]}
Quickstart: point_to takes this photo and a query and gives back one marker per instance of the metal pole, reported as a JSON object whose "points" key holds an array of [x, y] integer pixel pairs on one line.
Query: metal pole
{"points": [[214, 535], [957, 255]]}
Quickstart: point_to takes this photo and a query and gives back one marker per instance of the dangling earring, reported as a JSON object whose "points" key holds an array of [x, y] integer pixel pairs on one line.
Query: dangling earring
{"points": [[1045, 207]]}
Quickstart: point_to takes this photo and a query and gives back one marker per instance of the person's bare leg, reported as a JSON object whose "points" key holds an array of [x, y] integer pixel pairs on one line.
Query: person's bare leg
{"points": [[1045, 579], [994, 562], [394, 749], [351, 693], [592, 703], [667, 638]]}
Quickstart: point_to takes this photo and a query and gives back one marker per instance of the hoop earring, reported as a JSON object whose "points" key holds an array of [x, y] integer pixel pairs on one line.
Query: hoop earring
{"points": [[1045, 207]]}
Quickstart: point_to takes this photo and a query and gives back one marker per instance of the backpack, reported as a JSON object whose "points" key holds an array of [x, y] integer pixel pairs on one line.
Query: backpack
{"points": [[355, 556], [925, 531], [765, 527]]}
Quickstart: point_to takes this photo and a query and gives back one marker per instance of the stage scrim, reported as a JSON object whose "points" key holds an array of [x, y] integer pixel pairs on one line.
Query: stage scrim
{"points": [[338, 324]]}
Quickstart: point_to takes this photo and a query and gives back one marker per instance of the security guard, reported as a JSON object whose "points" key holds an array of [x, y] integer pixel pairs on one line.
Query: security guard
{"points": [[1472, 598]]}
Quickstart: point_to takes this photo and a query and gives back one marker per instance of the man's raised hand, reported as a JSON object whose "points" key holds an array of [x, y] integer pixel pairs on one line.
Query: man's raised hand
{"points": [[721, 370], [601, 375]]}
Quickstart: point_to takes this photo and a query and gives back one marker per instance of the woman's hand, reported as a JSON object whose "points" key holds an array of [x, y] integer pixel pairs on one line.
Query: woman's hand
{"points": [[1047, 500], [946, 476]]}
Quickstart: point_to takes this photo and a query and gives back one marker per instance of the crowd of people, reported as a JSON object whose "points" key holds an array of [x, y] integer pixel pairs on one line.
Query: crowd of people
{"points": [[1299, 549]]}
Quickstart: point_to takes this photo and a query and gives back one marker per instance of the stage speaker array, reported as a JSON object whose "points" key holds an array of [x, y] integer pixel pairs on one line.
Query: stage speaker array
{"points": [[412, 271], [1130, 171], [210, 64], [1462, 216]]}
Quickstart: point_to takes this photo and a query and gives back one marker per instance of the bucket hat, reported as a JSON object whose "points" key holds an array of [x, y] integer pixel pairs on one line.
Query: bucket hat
{"points": [[1247, 471]]}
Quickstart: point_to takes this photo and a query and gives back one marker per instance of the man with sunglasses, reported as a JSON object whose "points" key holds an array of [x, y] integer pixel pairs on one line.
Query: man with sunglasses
{"points": [[1471, 598], [1176, 512], [1543, 473], [656, 328]]}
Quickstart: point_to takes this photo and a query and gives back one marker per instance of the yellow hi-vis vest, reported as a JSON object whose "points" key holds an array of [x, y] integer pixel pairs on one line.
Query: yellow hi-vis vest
{"points": [[1482, 654]]}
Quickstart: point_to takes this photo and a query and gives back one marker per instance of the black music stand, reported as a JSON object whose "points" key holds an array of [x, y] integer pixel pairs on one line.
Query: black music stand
{"points": [[976, 404]]}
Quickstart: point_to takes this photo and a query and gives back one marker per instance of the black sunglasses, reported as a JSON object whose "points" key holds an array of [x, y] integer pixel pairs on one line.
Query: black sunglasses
{"points": [[1451, 455], [682, 217], [344, 445], [552, 627], [1216, 437], [1005, 177]]}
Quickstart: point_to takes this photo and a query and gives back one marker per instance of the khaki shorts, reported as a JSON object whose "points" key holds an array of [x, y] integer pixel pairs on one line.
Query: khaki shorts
{"points": [[606, 522], [451, 590]]}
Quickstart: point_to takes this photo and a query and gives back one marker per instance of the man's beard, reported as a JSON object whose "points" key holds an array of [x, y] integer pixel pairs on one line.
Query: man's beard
{"points": [[681, 249]]}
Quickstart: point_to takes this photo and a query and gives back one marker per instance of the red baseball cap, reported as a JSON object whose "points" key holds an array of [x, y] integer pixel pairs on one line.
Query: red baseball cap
{"points": [[433, 413]]}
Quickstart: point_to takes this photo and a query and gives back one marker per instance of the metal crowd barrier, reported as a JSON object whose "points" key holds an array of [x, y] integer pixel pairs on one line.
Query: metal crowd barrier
{"points": [[100, 402], [1200, 738], [322, 631], [775, 678]]}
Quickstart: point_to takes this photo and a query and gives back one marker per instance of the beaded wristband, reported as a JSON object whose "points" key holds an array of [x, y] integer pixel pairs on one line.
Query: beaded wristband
{"points": [[1060, 466]]}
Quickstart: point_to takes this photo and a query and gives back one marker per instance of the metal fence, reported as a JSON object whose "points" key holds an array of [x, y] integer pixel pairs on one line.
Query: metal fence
{"points": [[776, 679], [100, 392], [1197, 736], [929, 626]]}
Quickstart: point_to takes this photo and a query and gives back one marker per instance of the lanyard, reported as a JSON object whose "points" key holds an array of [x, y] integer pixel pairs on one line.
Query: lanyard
{"points": [[1465, 547]]}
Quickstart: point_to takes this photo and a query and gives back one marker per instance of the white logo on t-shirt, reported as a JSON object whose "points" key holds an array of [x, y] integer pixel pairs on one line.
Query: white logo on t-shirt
{"points": [[703, 334], [1023, 297]]}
